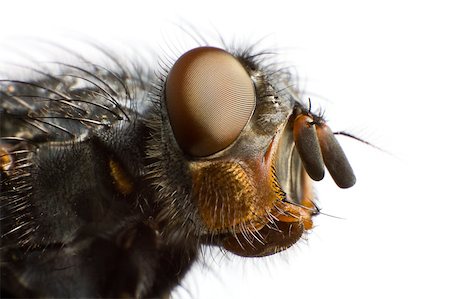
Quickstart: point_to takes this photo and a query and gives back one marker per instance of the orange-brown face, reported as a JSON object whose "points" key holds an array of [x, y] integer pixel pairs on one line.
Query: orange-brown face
{"points": [[251, 151]]}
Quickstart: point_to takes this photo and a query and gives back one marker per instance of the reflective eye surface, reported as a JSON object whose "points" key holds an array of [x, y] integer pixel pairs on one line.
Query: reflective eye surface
{"points": [[210, 98]]}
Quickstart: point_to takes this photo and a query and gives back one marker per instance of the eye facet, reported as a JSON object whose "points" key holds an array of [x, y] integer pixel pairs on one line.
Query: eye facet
{"points": [[209, 98]]}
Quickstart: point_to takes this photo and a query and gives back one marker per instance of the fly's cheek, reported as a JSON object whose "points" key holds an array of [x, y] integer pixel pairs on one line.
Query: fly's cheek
{"points": [[209, 98]]}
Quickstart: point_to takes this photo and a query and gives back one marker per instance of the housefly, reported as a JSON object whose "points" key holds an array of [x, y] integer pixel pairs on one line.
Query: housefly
{"points": [[113, 176]]}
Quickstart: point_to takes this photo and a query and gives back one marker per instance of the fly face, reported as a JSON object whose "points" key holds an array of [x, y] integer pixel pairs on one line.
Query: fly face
{"points": [[250, 150], [121, 176]]}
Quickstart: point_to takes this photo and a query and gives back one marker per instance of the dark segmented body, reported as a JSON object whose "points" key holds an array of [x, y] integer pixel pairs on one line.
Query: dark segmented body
{"points": [[66, 222], [99, 199]]}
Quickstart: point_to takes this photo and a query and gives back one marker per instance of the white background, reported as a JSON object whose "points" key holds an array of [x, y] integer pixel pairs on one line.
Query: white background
{"points": [[381, 70]]}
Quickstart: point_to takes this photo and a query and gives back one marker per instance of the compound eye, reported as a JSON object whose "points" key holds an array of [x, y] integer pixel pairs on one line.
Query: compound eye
{"points": [[209, 98]]}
